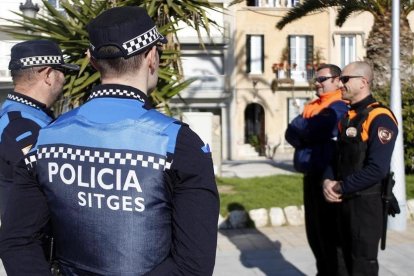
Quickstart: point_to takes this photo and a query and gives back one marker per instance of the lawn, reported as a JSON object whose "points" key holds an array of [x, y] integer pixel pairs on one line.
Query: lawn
{"points": [[270, 191]]}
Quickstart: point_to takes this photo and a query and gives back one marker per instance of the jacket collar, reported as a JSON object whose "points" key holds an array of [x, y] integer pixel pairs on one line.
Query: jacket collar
{"points": [[29, 101], [363, 103], [119, 91]]}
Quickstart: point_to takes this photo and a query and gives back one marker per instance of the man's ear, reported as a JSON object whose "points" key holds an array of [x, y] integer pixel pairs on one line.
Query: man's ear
{"points": [[152, 58], [47, 76]]}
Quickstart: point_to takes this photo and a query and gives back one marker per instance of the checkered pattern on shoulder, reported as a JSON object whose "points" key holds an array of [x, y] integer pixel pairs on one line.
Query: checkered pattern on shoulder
{"points": [[41, 60], [120, 93], [30, 160], [22, 100], [141, 41], [100, 156]]}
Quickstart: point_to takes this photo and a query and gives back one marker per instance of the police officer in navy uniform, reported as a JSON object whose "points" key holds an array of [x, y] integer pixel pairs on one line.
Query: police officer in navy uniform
{"points": [[365, 145], [129, 191], [37, 68]]}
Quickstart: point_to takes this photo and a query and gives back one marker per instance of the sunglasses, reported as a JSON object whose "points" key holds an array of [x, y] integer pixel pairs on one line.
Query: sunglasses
{"points": [[60, 69], [345, 79], [323, 78]]}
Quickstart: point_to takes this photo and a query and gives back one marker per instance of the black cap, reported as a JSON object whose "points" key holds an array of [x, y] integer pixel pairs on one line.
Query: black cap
{"points": [[34, 53], [130, 29]]}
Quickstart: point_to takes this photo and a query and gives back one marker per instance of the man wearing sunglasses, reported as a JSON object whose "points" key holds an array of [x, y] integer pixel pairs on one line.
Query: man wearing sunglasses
{"points": [[35, 67], [312, 134], [365, 144]]}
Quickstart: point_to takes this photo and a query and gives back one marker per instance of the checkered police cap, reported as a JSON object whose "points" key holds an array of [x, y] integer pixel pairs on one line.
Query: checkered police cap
{"points": [[34, 53], [130, 29]]}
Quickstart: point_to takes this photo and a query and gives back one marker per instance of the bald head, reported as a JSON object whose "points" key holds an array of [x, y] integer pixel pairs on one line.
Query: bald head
{"points": [[361, 68], [355, 81]]}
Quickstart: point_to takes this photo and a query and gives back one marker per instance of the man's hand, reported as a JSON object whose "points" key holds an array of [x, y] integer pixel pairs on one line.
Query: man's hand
{"points": [[332, 190]]}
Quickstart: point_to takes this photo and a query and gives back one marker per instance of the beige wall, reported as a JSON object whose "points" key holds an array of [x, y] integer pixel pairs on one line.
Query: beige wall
{"points": [[357, 24], [262, 21]]}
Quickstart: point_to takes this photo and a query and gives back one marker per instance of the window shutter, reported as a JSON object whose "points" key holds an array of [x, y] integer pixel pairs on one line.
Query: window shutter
{"points": [[263, 52], [309, 57], [253, 3], [248, 43], [309, 49], [289, 50]]}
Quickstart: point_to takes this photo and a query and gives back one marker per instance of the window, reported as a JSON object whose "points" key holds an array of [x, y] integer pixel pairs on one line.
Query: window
{"points": [[292, 3], [57, 5], [300, 54], [5, 49], [255, 54], [348, 49], [253, 3], [207, 67]]}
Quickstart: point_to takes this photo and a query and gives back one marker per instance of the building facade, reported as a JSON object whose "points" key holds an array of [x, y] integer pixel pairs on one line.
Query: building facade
{"points": [[251, 76], [273, 69]]}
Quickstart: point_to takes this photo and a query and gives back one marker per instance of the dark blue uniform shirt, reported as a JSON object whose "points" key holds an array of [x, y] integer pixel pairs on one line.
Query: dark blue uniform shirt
{"points": [[21, 119]]}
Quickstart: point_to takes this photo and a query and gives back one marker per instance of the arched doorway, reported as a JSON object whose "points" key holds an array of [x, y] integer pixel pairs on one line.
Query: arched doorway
{"points": [[254, 130]]}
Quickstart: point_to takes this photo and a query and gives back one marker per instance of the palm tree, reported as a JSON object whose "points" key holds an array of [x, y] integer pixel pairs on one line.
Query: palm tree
{"points": [[67, 28], [379, 41]]}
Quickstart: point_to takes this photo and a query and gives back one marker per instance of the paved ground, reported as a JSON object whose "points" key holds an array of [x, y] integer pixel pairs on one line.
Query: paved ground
{"points": [[282, 164], [284, 250]]}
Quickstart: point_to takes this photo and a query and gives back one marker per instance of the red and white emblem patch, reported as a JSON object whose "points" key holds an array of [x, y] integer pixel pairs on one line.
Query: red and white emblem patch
{"points": [[384, 135]]}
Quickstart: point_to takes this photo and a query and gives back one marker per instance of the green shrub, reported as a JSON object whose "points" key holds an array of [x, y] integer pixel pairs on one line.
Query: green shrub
{"points": [[269, 191], [260, 192]]}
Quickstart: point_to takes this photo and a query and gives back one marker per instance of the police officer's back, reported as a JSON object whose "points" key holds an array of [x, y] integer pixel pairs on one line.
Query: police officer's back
{"points": [[129, 190]]}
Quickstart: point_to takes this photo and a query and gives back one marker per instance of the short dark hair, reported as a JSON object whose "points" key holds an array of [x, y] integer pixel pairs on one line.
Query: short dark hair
{"points": [[23, 75], [116, 66], [333, 69]]}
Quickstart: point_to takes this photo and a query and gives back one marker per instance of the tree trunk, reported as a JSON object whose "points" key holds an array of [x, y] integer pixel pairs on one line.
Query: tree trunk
{"points": [[379, 45]]}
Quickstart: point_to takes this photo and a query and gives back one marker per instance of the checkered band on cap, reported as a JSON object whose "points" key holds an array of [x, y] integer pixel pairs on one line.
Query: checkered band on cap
{"points": [[100, 156], [141, 41], [22, 100], [122, 93], [41, 60]]}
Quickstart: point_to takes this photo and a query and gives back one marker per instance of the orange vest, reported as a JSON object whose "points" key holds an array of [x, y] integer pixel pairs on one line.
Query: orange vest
{"points": [[371, 116], [324, 100]]}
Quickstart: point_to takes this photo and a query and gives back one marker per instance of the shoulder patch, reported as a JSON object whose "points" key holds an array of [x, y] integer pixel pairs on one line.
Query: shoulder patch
{"points": [[206, 148], [385, 135], [26, 150]]}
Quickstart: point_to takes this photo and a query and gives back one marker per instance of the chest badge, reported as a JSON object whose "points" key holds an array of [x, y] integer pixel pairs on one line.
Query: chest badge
{"points": [[384, 135], [351, 132]]}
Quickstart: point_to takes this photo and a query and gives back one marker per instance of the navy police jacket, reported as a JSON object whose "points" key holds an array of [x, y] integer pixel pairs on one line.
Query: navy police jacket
{"points": [[129, 191], [21, 118], [312, 134], [366, 142]]}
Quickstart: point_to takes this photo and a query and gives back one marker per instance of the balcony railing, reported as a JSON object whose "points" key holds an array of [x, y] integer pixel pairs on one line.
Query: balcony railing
{"points": [[274, 3], [296, 75]]}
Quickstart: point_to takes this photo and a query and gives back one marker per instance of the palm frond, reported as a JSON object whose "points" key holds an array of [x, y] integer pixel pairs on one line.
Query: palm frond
{"points": [[305, 8], [68, 29], [407, 6]]}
